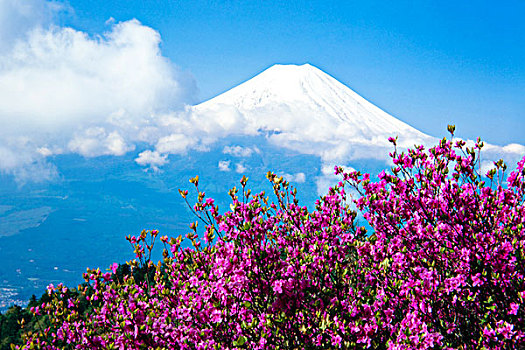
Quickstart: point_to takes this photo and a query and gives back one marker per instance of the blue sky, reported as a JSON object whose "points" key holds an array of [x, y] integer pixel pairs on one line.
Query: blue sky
{"points": [[426, 62], [100, 77]]}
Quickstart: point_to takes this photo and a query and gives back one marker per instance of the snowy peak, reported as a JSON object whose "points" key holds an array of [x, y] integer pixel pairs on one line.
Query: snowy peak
{"points": [[305, 109], [279, 83], [286, 96]]}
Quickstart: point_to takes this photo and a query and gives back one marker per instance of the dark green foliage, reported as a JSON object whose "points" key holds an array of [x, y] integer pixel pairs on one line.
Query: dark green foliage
{"points": [[11, 325]]}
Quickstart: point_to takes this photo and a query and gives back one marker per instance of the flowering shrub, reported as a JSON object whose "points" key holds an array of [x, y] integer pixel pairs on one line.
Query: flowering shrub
{"points": [[442, 268]]}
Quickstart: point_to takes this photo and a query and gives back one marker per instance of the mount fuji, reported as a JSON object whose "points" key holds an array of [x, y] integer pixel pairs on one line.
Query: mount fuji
{"points": [[305, 101], [304, 109]]}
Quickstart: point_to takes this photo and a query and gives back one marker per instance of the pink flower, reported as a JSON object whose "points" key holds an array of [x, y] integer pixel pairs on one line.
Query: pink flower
{"points": [[114, 267], [275, 268], [278, 286], [262, 343], [336, 340], [476, 280], [216, 316]]}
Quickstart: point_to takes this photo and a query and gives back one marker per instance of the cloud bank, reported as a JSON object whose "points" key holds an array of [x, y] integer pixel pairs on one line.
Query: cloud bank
{"points": [[63, 90]]}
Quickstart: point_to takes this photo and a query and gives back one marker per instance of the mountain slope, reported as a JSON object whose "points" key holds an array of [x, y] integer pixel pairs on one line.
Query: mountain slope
{"points": [[305, 109]]}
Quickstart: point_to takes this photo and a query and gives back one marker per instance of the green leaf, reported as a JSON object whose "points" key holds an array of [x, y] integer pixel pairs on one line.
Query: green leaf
{"points": [[240, 341]]}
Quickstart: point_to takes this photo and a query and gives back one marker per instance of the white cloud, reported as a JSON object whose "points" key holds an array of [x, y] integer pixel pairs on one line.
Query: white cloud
{"points": [[9, 160], [152, 159], [97, 141], [514, 148], [239, 151], [224, 165], [240, 168], [60, 77], [25, 165], [68, 91], [297, 177], [175, 143], [44, 151], [300, 177], [176, 132]]}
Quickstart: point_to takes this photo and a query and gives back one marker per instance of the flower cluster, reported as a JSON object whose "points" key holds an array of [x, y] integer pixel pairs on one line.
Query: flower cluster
{"points": [[442, 268]]}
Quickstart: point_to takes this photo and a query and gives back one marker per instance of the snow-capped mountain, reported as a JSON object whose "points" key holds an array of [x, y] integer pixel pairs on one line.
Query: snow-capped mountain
{"points": [[305, 109]]}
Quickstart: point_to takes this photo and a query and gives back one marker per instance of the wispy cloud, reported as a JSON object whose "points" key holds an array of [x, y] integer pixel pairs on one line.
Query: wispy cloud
{"points": [[240, 168], [239, 151], [153, 159], [224, 165], [296, 178]]}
